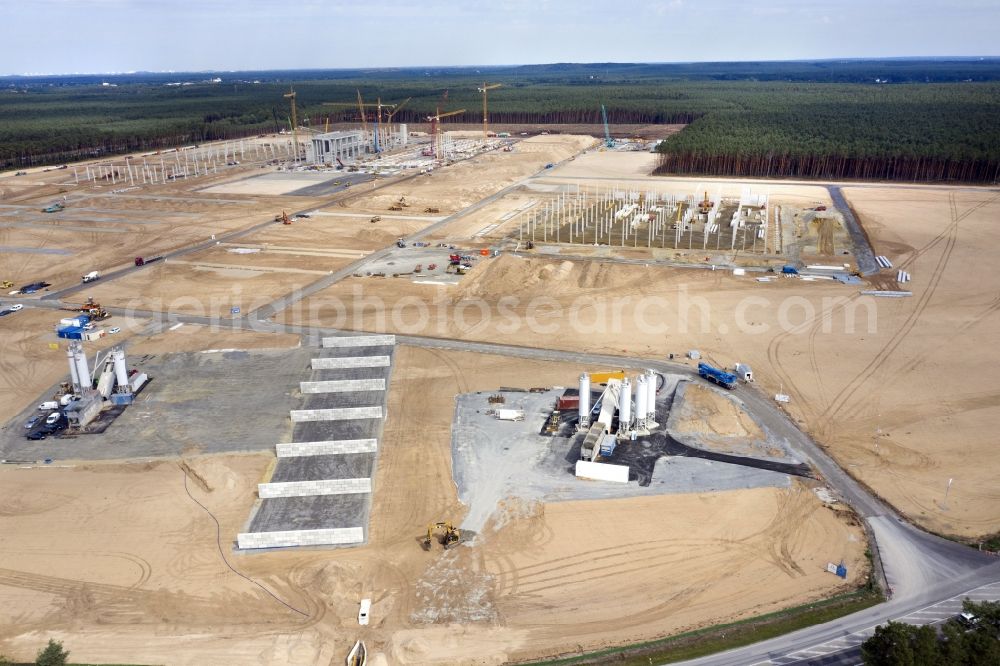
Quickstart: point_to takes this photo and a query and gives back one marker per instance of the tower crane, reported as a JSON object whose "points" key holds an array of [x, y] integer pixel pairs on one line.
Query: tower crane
{"points": [[436, 122], [378, 114], [290, 95], [484, 89]]}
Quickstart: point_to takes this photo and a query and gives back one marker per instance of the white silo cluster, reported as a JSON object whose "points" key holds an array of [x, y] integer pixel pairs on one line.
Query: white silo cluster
{"points": [[584, 402], [625, 407], [78, 368], [121, 372], [643, 418]]}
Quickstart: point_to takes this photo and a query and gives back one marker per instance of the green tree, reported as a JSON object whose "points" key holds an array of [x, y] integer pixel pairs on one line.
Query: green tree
{"points": [[890, 645], [4, 661], [52, 655]]}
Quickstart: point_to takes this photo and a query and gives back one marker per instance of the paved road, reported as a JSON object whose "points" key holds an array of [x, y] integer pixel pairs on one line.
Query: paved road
{"points": [[863, 252]]}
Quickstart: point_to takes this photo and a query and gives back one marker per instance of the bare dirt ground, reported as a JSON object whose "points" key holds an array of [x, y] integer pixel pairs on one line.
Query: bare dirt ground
{"points": [[708, 418], [200, 290], [852, 364], [162, 593], [467, 182]]}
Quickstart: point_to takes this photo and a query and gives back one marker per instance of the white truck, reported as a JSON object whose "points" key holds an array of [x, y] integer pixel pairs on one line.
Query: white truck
{"points": [[91, 276], [744, 372]]}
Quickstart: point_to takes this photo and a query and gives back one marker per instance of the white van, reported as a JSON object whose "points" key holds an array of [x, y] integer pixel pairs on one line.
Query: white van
{"points": [[48, 404], [365, 610]]}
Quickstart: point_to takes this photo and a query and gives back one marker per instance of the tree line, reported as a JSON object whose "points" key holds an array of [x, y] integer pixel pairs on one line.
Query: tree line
{"points": [[944, 131], [974, 642]]}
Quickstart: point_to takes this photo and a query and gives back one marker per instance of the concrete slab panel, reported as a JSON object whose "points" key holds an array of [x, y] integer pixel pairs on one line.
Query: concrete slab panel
{"points": [[350, 362], [335, 414], [324, 468], [342, 386], [326, 448], [329, 537], [319, 487], [359, 341], [313, 512]]}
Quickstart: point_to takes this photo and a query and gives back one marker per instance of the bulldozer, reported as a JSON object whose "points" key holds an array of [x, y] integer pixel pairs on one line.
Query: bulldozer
{"points": [[452, 535], [432, 209], [395, 207]]}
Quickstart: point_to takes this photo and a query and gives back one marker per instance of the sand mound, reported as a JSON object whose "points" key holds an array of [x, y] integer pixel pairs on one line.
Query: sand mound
{"points": [[705, 411], [412, 650]]}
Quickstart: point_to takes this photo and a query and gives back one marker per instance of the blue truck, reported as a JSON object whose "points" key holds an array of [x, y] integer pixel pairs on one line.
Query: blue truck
{"points": [[720, 377]]}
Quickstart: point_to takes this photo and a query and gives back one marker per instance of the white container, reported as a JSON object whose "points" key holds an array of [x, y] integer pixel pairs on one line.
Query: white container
{"points": [[510, 414]]}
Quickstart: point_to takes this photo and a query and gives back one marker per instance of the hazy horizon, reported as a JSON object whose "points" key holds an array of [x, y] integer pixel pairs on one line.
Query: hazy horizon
{"points": [[81, 37]]}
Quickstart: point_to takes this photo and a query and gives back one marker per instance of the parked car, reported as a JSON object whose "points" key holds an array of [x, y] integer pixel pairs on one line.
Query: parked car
{"points": [[53, 418], [53, 428], [16, 307], [114, 330], [32, 422], [967, 620], [36, 435]]}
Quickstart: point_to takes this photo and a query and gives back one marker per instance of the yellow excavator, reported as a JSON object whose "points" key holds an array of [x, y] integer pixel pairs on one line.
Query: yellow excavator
{"points": [[452, 536]]}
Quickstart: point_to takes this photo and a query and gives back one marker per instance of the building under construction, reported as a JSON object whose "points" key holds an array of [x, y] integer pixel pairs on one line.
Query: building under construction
{"points": [[632, 218], [350, 145]]}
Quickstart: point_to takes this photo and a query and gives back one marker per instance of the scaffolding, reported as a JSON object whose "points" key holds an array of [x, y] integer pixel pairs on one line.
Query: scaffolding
{"points": [[623, 217]]}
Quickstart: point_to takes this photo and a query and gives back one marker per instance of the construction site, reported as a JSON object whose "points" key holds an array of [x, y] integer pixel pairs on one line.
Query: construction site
{"points": [[410, 394]]}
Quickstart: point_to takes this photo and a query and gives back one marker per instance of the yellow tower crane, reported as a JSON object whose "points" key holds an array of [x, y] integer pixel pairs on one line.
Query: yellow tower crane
{"points": [[290, 95], [436, 120], [484, 89]]}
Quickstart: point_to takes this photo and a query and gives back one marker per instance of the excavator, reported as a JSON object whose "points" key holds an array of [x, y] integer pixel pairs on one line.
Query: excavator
{"points": [[91, 308], [451, 538], [283, 218]]}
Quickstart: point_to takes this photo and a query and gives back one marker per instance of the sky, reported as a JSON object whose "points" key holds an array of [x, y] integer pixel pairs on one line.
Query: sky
{"points": [[104, 36]]}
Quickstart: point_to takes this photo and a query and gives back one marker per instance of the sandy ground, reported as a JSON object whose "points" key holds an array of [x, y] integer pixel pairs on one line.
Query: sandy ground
{"points": [[704, 409], [162, 593], [464, 183], [706, 417], [852, 364], [200, 290]]}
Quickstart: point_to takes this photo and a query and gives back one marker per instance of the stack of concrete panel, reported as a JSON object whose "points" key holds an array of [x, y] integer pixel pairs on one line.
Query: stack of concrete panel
{"points": [[320, 490]]}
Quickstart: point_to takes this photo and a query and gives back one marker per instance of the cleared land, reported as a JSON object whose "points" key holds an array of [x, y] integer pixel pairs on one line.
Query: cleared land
{"points": [[162, 594], [538, 580], [852, 364]]}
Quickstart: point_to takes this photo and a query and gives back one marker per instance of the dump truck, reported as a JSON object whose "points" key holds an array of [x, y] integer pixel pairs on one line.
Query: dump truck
{"points": [[720, 377]]}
